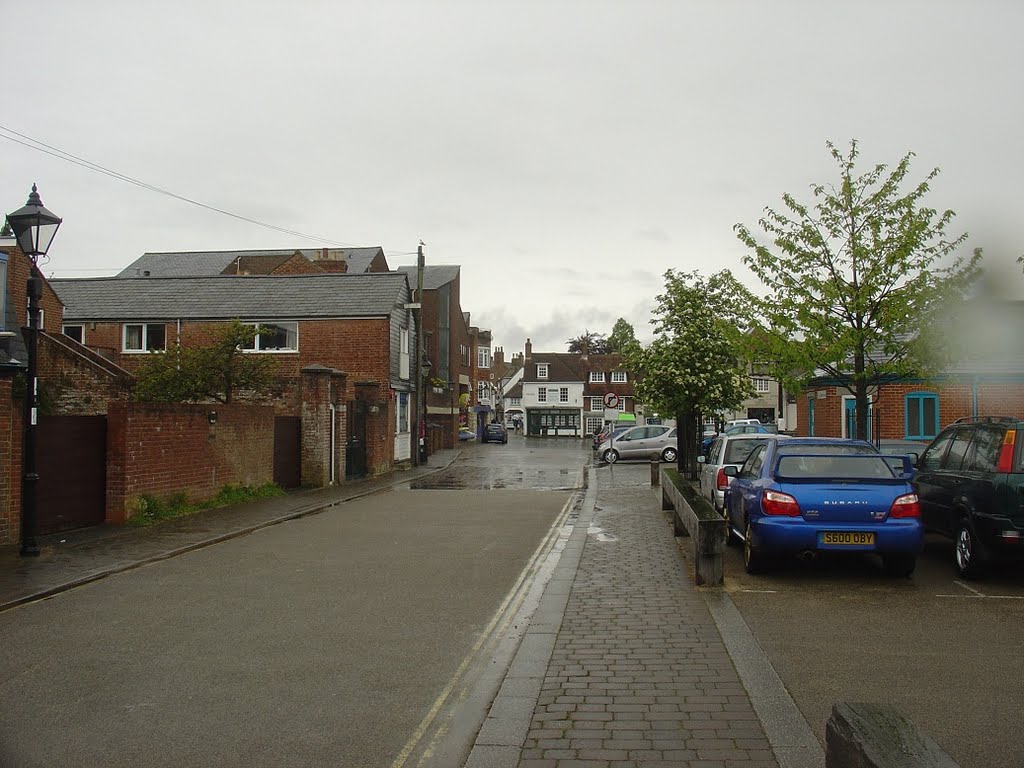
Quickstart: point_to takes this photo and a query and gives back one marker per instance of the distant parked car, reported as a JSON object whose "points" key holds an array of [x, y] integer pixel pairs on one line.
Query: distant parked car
{"points": [[747, 427], [611, 430], [466, 434], [653, 441], [808, 495], [726, 450], [494, 433], [971, 483]]}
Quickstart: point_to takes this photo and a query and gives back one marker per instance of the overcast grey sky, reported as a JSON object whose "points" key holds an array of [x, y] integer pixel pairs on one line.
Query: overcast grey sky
{"points": [[565, 154]]}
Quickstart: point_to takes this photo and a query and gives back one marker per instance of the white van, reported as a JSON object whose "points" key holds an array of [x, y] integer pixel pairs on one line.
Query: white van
{"points": [[734, 422]]}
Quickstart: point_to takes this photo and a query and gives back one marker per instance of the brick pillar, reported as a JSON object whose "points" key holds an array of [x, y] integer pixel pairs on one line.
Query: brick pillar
{"points": [[323, 395], [117, 421]]}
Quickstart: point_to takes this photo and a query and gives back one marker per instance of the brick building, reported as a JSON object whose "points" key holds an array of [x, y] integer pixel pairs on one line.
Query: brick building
{"points": [[354, 322], [452, 349], [984, 376]]}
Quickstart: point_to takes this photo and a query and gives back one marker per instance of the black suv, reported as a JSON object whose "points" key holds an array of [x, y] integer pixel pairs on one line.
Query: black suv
{"points": [[970, 482]]}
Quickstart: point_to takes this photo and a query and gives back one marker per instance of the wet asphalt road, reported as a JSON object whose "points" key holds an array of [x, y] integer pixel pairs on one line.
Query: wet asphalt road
{"points": [[321, 641], [945, 652]]}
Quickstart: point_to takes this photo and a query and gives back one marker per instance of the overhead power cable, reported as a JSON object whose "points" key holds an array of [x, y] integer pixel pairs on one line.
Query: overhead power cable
{"points": [[60, 154]]}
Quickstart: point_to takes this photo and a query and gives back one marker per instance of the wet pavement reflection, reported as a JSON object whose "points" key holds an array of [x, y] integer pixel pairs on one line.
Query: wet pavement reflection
{"points": [[535, 464]]}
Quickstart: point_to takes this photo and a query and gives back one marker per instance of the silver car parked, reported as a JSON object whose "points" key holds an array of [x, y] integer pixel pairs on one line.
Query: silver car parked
{"points": [[653, 441], [725, 450]]}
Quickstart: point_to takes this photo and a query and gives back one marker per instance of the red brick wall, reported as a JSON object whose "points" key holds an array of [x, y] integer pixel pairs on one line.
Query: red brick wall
{"points": [[161, 450], [956, 400], [18, 268], [79, 382]]}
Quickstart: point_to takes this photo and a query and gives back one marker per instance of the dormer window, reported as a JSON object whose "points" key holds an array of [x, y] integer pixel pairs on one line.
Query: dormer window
{"points": [[597, 377], [542, 370]]}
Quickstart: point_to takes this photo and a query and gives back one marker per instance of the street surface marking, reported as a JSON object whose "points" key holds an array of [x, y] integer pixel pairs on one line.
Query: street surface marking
{"points": [[761, 591], [968, 588]]}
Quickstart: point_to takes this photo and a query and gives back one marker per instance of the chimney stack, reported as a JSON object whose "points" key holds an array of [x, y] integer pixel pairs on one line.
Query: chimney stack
{"points": [[529, 351]]}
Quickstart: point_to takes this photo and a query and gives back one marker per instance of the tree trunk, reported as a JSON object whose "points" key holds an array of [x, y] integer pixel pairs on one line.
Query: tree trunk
{"points": [[687, 443], [860, 394]]}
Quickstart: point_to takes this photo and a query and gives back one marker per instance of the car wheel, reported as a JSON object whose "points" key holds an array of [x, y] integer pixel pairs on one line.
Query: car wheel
{"points": [[669, 455], [899, 566], [610, 456], [753, 561], [966, 554]]}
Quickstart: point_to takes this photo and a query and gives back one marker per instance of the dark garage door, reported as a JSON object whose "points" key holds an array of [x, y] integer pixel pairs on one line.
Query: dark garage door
{"points": [[71, 459], [288, 451]]}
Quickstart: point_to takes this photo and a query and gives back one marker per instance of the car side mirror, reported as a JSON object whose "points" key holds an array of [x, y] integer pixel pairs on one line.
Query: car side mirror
{"points": [[730, 470], [701, 459]]}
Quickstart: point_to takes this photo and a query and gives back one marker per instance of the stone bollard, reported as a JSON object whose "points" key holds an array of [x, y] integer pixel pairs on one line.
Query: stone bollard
{"points": [[655, 473], [878, 736]]}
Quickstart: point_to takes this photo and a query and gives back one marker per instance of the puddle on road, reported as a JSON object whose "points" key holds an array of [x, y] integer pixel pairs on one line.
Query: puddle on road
{"points": [[480, 479]]}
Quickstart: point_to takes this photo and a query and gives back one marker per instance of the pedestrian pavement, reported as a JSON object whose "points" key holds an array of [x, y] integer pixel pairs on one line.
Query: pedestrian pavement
{"points": [[625, 662]]}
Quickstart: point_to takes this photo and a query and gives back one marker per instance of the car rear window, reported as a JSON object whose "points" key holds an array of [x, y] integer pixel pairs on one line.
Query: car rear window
{"points": [[736, 451], [835, 467], [844, 448]]}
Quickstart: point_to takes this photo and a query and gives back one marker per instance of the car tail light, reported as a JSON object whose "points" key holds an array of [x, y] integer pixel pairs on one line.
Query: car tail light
{"points": [[776, 503], [906, 505], [722, 480], [1005, 464]]}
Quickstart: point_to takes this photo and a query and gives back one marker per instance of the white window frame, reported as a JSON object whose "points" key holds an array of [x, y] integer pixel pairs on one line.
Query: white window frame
{"points": [[402, 414], [597, 404], [64, 330], [542, 370], [515, 401], [144, 350], [563, 394], [483, 357], [403, 353], [542, 395], [594, 424], [277, 324], [618, 377], [761, 385], [597, 377]]}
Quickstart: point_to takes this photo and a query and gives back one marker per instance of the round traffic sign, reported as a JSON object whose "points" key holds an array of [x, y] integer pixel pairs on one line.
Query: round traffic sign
{"points": [[611, 400]]}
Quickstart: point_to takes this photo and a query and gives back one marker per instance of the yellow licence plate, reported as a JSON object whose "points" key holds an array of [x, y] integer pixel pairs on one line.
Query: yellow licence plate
{"points": [[848, 538]]}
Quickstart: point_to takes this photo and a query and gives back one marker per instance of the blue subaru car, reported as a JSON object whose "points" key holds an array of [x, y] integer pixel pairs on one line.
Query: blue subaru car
{"points": [[808, 495]]}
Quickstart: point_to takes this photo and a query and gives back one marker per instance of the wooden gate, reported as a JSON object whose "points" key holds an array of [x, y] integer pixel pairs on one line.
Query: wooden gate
{"points": [[288, 451], [71, 459]]}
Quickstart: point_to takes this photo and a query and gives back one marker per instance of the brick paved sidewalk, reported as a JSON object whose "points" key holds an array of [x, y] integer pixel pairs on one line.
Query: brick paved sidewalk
{"points": [[638, 674]]}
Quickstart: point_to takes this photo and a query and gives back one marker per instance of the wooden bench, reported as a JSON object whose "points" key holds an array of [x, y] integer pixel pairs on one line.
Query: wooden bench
{"points": [[694, 517], [878, 736]]}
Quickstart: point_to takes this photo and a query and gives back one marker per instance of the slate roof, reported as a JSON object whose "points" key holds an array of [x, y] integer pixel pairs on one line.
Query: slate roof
{"points": [[562, 367], [264, 297], [434, 276], [208, 263]]}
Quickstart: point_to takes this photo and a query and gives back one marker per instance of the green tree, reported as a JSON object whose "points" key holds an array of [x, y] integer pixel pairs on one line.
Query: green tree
{"points": [[854, 277], [588, 343], [214, 371], [622, 339], [695, 363]]}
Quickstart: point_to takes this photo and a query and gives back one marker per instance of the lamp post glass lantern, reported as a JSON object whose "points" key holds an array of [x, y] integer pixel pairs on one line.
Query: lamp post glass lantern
{"points": [[34, 228]]}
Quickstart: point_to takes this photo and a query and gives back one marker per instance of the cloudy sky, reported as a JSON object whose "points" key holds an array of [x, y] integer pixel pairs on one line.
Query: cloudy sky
{"points": [[565, 153]]}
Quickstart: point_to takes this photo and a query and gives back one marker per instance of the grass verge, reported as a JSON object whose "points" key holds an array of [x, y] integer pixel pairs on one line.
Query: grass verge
{"points": [[151, 510]]}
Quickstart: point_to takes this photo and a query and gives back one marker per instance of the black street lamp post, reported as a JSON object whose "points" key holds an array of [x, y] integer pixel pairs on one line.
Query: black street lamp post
{"points": [[34, 227]]}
